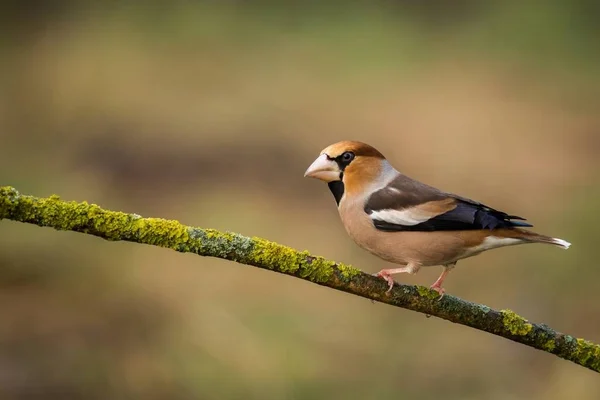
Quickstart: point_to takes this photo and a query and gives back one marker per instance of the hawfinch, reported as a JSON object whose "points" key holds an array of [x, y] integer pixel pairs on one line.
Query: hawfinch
{"points": [[408, 222]]}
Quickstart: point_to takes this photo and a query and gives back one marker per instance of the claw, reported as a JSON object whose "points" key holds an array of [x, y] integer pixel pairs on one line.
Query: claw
{"points": [[437, 285], [388, 278], [441, 291], [387, 274]]}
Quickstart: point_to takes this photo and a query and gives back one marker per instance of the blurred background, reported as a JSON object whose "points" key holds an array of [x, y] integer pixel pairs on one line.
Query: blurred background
{"points": [[209, 112]]}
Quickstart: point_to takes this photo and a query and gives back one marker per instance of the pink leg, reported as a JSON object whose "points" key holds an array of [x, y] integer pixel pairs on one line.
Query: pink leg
{"points": [[387, 273], [437, 285]]}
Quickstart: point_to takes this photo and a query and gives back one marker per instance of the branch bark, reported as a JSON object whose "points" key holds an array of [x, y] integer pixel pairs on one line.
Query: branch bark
{"points": [[113, 225]]}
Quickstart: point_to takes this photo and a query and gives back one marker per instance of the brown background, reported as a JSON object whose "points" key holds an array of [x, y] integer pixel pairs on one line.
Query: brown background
{"points": [[210, 113]]}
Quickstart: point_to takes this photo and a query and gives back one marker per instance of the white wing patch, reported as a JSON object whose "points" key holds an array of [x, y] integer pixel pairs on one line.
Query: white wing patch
{"points": [[408, 217]]}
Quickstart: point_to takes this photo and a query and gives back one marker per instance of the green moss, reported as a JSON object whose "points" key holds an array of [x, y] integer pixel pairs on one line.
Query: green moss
{"points": [[549, 345], [90, 218], [316, 269], [155, 231], [588, 354], [348, 272], [113, 225], [275, 256], [515, 324], [209, 242], [427, 293], [284, 259]]}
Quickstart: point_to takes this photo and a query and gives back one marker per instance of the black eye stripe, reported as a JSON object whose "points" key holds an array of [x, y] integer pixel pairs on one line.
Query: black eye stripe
{"points": [[344, 159]]}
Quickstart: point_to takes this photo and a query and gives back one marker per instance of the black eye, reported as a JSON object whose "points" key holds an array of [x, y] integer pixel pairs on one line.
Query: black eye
{"points": [[347, 157]]}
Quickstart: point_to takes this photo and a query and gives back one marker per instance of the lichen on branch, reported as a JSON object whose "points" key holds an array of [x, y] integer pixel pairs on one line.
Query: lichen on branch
{"points": [[114, 225]]}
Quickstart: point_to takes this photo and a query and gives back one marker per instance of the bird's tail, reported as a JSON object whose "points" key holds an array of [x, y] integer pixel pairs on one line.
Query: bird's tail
{"points": [[532, 237]]}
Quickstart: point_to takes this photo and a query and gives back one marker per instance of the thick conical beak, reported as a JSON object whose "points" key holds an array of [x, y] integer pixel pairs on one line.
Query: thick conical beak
{"points": [[324, 169]]}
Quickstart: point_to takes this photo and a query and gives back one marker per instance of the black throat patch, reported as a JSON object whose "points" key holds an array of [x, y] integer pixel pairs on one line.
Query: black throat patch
{"points": [[337, 189]]}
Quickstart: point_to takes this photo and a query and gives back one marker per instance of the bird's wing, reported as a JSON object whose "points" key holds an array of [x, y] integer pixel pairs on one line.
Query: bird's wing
{"points": [[408, 205]]}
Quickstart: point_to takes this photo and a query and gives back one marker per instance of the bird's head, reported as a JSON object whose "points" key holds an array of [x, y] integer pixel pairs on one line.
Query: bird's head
{"points": [[347, 166]]}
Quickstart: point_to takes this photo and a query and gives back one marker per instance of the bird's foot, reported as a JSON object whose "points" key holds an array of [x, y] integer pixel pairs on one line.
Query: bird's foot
{"points": [[385, 274], [437, 285], [438, 288]]}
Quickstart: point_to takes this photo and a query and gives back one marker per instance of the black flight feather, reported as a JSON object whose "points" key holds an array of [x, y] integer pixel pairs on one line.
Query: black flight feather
{"points": [[404, 193]]}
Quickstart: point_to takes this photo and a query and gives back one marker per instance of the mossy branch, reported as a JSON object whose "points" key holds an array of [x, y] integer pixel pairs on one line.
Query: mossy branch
{"points": [[113, 225]]}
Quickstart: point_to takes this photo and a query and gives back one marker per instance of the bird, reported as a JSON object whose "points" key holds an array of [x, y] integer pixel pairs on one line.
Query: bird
{"points": [[407, 222]]}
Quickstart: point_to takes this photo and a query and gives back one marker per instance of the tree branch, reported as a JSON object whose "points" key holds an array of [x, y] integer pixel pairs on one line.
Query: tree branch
{"points": [[261, 253]]}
